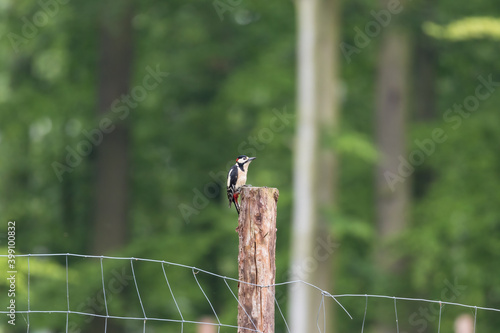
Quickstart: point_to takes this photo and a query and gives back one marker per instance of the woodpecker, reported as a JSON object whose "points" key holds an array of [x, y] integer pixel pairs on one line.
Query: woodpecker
{"points": [[236, 178]]}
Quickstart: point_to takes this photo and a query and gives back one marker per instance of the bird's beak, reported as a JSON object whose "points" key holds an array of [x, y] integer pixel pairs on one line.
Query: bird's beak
{"points": [[251, 158]]}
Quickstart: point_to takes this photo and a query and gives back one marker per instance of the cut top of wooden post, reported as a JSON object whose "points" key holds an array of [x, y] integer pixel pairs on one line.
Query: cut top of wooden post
{"points": [[256, 258], [259, 199]]}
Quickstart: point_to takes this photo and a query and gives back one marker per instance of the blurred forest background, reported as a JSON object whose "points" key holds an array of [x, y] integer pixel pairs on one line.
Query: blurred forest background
{"points": [[120, 119]]}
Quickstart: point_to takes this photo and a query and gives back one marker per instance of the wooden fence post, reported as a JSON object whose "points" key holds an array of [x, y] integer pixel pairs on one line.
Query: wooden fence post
{"points": [[256, 258]]}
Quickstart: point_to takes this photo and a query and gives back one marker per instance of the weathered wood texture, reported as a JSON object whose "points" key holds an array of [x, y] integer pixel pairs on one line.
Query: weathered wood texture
{"points": [[256, 259]]}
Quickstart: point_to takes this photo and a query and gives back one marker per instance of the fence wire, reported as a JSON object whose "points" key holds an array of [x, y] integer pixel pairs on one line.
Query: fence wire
{"points": [[321, 310]]}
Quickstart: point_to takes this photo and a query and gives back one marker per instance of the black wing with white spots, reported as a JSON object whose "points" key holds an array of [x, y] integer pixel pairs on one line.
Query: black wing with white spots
{"points": [[231, 183]]}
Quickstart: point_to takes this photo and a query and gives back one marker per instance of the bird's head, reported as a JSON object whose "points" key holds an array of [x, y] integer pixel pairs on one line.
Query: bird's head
{"points": [[243, 159]]}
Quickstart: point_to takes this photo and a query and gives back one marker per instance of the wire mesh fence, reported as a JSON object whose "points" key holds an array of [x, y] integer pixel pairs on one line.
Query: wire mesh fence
{"points": [[113, 291]]}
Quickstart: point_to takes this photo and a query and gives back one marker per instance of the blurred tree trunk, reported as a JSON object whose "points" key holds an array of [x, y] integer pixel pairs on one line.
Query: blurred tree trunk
{"points": [[425, 103], [110, 225], [328, 116], [115, 66], [425, 56], [314, 165], [391, 133], [425, 93], [391, 113], [425, 74]]}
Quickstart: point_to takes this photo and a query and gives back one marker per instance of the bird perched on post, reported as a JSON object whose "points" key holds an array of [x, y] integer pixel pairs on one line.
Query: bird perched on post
{"points": [[236, 178]]}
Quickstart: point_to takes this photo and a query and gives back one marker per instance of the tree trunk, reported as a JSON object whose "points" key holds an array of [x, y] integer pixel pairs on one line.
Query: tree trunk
{"points": [[300, 310], [425, 95], [115, 66], [317, 103], [391, 138], [425, 74], [391, 112], [425, 98], [328, 116], [110, 223], [256, 259]]}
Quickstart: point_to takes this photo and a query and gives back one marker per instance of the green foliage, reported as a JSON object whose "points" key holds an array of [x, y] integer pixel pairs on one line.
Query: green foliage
{"points": [[231, 90]]}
